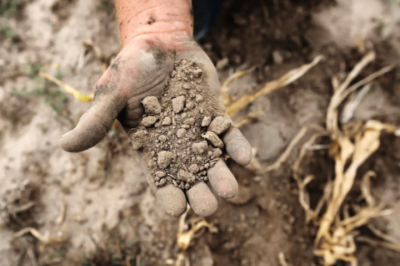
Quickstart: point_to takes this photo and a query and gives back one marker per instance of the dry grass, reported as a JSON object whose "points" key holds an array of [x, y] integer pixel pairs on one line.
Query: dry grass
{"points": [[233, 107], [335, 239], [79, 96], [187, 231]]}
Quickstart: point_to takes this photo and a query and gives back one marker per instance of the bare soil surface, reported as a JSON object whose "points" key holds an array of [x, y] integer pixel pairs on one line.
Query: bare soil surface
{"points": [[96, 206]]}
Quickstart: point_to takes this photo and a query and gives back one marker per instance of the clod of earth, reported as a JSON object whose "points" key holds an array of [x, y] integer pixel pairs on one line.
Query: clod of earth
{"points": [[149, 121], [200, 147], [179, 131], [178, 104], [214, 139], [220, 124], [164, 159], [138, 139], [206, 121], [151, 105]]}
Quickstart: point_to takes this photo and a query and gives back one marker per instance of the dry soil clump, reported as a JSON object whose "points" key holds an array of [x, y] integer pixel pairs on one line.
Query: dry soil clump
{"points": [[179, 132]]}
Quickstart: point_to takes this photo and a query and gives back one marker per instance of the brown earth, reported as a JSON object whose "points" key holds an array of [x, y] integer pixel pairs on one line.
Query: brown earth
{"points": [[179, 136]]}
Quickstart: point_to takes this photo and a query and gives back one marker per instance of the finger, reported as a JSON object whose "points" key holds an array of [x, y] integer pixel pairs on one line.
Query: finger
{"points": [[202, 200], [222, 180], [237, 146], [95, 123], [172, 200]]}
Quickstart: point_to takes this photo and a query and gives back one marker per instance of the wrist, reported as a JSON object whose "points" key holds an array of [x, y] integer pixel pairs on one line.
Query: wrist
{"points": [[155, 17]]}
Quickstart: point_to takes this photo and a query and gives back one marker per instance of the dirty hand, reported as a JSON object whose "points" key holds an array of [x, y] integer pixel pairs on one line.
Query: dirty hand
{"points": [[140, 70]]}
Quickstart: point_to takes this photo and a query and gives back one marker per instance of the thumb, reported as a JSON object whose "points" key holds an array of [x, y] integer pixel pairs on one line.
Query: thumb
{"points": [[95, 123]]}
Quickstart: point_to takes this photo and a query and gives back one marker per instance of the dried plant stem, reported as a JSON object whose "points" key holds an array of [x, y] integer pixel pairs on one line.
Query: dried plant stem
{"points": [[286, 79]]}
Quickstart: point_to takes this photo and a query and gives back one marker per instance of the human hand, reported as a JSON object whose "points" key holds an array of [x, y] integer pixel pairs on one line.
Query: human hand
{"points": [[140, 70]]}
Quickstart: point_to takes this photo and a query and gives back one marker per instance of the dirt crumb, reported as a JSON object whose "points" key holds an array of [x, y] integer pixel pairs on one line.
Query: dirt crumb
{"points": [[178, 146], [178, 103], [149, 121], [206, 121], [214, 139], [151, 105], [220, 124], [164, 159], [200, 147]]}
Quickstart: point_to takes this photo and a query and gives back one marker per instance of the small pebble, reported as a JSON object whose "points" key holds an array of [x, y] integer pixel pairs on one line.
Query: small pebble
{"points": [[158, 124], [149, 121], [214, 139], [190, 105], [138, 139], [199, 98], [164, 159], [162, 138], [219, 125], [160, 174], [181, 132], [151, 105], [206, 121], [167, 121], [194, 168], [200, 147], [189, 121], [216, 153], [178, 104]]}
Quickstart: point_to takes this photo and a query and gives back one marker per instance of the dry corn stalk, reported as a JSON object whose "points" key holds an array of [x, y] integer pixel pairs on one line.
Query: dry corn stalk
{"points": [[248, 118], [185, 236], [291, 76], [79, 96], [46, 239], [225, 88], [335, 237]]}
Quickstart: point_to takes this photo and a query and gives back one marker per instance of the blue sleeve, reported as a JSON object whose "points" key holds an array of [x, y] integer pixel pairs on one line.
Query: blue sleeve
{"points": [[205, 12]]}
